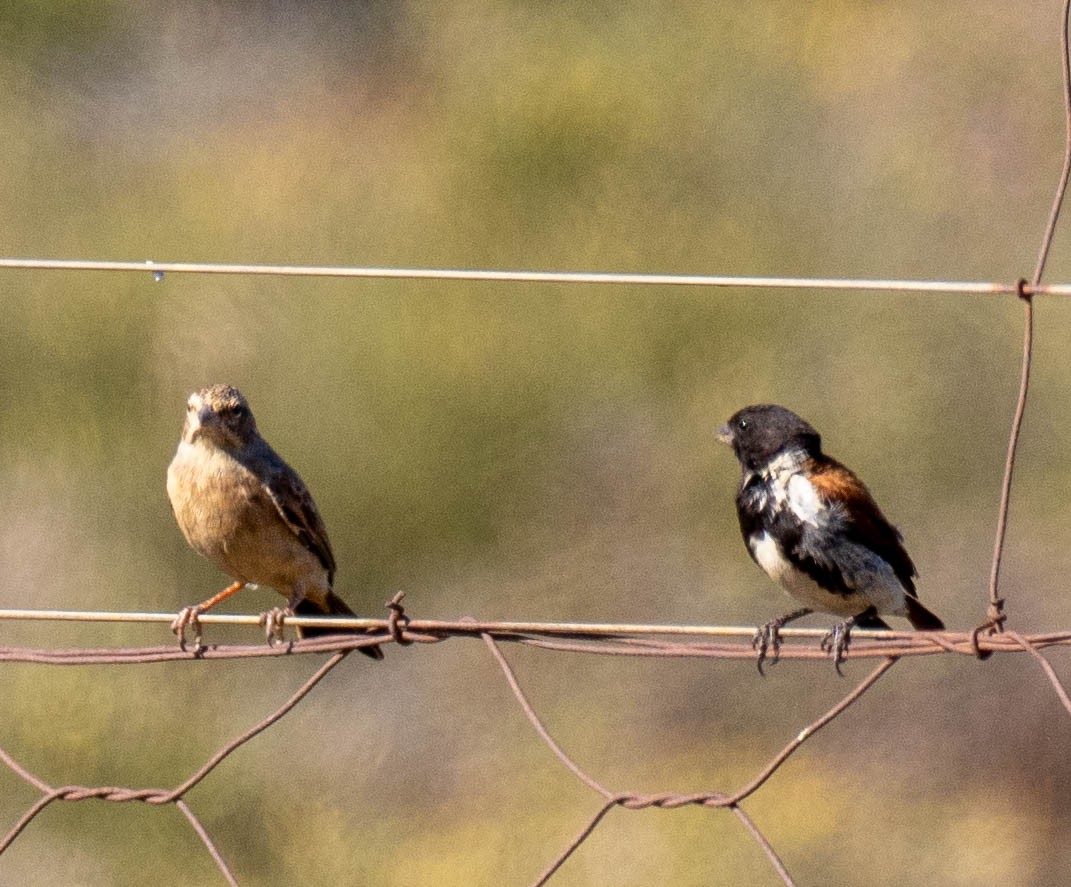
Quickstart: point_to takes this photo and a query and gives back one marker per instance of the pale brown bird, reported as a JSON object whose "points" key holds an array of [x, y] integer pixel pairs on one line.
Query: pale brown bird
{"points": [[242, 507]]}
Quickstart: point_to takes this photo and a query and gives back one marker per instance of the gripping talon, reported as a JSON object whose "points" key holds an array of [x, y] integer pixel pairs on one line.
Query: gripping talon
{"points": [[767, 640], [837, 642], [273, 624], [768, 636], [187, 618]]}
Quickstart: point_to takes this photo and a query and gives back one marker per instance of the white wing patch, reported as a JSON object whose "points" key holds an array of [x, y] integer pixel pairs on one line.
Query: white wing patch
{"points": [[803, 500], [789, 486]]}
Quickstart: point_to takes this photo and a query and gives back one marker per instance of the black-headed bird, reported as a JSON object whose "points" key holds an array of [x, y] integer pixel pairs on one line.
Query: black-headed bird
{"points": [[815, 529]]}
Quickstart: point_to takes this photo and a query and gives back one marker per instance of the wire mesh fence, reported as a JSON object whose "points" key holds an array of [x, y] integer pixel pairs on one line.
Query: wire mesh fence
{"points": [[651, 641], [991, 636]]}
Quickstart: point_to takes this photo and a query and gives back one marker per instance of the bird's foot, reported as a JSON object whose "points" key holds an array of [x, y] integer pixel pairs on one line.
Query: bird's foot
{"points": [[273, 624], [767, 640], [837, 641], [768, 636], [188, 618]]}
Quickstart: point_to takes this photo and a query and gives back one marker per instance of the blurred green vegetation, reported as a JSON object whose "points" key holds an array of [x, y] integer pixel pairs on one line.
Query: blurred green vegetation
{"points": [[516, 451]]}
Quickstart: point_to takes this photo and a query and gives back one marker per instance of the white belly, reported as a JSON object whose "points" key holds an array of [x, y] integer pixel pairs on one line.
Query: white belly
{"points": [[882, 590]]}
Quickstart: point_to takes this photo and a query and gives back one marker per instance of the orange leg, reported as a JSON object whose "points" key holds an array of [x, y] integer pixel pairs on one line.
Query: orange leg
{"points": [[188, 615], [233, 588]]}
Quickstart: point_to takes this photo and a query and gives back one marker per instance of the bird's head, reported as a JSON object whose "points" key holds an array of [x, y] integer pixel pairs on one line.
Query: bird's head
{"points": [[759, 433], [219, 415]]}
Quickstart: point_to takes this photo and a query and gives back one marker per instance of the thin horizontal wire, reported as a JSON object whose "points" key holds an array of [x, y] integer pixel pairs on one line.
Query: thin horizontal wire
{"points": [[582, 277], [459, 626], [925, 644], [876, 644]]}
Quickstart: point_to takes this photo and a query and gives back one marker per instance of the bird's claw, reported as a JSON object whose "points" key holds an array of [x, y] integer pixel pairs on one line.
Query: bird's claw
{"points": [[768, 636], [188, 618], [273, 624], [767, 640], [836, 642]]}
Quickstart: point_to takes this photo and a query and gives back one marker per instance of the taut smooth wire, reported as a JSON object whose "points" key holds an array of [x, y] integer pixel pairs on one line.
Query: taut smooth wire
{"points": [[962, 287], [466, 625]]}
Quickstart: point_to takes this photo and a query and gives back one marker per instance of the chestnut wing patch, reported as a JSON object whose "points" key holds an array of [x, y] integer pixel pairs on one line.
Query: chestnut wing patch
{"points": [[863, 521]]}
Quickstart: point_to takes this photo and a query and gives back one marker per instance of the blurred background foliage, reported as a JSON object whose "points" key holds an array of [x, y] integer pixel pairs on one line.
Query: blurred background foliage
{"points": [[518, 451]]}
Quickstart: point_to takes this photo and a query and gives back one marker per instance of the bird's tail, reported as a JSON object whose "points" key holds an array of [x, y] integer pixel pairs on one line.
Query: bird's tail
{"points": [[870, 619], [335, 606], [920, 617]]}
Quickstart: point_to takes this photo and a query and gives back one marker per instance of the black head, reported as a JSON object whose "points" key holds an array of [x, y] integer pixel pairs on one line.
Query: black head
{"points": [[758, 433]]}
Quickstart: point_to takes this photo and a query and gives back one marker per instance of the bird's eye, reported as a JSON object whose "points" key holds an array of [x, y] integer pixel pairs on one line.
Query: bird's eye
{"points": [[742, 424]]}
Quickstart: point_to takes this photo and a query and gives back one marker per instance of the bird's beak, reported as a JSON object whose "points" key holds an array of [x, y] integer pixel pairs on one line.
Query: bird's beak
{"points": [[196, 420], [191, 430], [725, 435]]}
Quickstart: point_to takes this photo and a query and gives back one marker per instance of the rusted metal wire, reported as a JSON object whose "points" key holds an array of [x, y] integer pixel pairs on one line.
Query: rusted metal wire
{"points": [[607, 639], [604, 639], [157, 796], [629, 800], [995, 616], [663, 641], [1046, 666]]}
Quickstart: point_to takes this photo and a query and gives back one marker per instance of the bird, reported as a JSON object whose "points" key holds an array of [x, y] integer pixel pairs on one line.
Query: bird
{"points": [[241, 506], [814, 528]]}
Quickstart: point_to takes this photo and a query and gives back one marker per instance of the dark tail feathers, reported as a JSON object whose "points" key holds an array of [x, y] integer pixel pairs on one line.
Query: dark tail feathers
{"points": [[335, 607], [920, 617], [870, 619]]}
